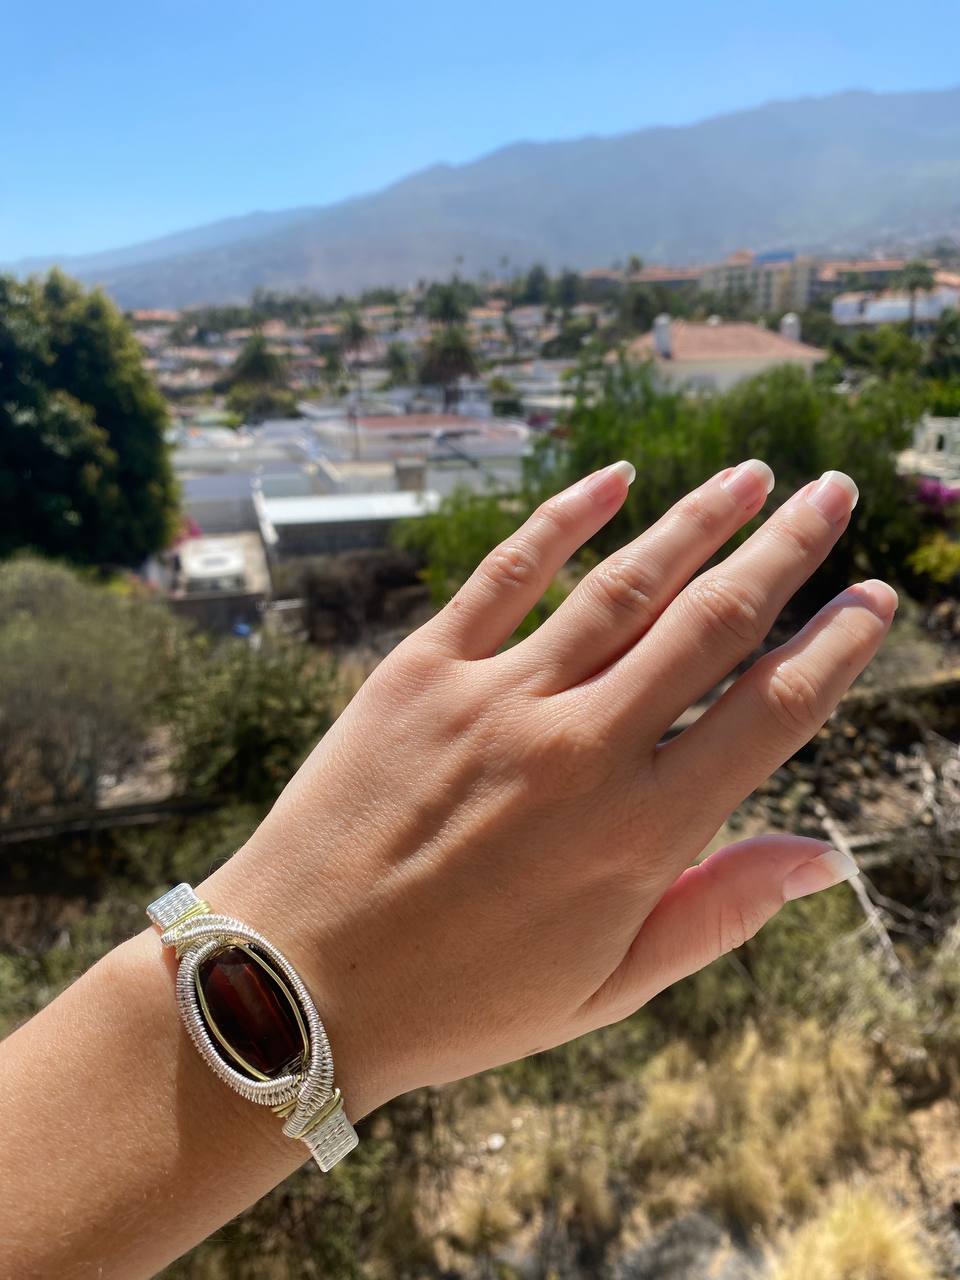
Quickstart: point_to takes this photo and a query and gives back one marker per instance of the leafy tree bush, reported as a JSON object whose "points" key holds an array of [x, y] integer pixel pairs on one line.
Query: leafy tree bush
{"points": [[249, 716], [447, 358], [84, 469], [85, 673], [257, 383]]}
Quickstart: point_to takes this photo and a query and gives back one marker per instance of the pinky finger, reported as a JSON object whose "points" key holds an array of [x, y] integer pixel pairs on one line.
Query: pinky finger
{"points": [[500, 593], [715, 907]]}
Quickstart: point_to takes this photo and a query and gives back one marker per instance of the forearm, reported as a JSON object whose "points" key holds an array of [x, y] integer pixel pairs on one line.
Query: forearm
{"points": [[120, 1149]]}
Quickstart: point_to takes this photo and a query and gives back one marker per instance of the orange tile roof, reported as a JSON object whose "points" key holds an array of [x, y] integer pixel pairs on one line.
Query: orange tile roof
{"points": [[695, 342], [651, 275]]}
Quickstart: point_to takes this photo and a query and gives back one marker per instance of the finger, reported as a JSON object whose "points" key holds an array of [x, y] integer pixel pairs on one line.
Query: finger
{"points": [[500, 593], [621, 598], [715, 907], [722, 616], [781, 702]]}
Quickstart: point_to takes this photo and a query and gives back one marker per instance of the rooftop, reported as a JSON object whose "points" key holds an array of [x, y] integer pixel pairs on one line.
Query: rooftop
{"points": [[344, 508], [694, 341]]}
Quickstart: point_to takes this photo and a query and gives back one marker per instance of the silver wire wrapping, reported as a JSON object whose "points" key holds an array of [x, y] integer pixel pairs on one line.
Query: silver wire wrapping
{"points": [[316, 1114]]}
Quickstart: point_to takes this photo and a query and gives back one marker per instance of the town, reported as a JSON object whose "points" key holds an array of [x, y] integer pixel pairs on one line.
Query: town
{"points": [[304, 427]]}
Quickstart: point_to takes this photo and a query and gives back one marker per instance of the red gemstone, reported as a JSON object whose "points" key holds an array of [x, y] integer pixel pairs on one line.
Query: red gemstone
{"points": [[252, 1013]]}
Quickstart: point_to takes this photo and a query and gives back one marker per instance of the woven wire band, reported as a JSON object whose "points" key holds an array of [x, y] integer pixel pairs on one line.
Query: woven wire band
{"points": [[313, 1107]]}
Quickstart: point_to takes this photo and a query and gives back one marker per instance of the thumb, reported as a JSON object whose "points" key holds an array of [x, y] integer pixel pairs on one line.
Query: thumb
{"points": [[716, 906]]}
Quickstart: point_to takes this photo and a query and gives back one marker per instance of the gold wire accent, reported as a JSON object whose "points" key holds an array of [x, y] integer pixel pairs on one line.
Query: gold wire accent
{"points": [[333, 1103]]}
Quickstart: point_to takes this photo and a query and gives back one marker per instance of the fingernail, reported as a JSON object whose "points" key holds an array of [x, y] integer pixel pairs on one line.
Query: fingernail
{"points": [[625, 469], [746, 481], [823, 872], [834, 495], [605, 483], [879, 597]]}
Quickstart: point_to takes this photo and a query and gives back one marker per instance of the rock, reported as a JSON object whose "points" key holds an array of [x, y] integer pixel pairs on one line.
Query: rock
{"points": [[692, 1246]]}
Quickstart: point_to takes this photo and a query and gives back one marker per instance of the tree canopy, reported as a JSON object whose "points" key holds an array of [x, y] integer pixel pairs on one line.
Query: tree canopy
{"points": [[447, 357], [84, 467]]}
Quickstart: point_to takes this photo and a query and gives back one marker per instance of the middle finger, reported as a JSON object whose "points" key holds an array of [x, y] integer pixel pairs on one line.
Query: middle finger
{"points": [[722, 616]]}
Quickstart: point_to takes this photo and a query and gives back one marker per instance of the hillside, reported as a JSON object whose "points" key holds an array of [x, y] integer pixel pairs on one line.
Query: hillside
{"points": [[837, 172]]}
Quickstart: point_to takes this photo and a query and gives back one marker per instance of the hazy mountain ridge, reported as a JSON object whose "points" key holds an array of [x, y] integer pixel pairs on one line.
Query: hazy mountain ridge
{"points": [[816, 173]]}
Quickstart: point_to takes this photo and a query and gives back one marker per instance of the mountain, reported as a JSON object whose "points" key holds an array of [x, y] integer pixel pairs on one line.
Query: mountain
{"points": [[831, 173]]}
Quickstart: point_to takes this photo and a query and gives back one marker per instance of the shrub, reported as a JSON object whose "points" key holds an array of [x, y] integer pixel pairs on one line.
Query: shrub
{"points": [[249, 717], [857, 1237], [85, 674]]}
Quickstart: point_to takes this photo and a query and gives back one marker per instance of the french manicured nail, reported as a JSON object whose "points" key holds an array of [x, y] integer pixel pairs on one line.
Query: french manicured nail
{"points": [[602, 484], [823, 872], [878, 596], [625, 469], [834, 495], [747, 481]]}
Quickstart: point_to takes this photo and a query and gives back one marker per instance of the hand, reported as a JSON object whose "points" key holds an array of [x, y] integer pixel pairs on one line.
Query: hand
{"points": [[491, 853]]}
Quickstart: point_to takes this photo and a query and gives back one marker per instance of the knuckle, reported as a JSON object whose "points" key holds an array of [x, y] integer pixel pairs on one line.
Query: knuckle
{"points": [[727, 610], [557, 514], [511, 565], [799, 538], [738, 921], [793, 699], [568, 759], [622, 587], [696, 510]]}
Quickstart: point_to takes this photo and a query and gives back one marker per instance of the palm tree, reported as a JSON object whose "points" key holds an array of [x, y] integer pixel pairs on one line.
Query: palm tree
{"points": [[353, 335], [445, 303], [448, 357], [916, 276]]}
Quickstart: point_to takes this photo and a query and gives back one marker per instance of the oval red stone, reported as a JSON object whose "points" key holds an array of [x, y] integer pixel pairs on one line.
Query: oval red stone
{"points": [[252, 1013]]}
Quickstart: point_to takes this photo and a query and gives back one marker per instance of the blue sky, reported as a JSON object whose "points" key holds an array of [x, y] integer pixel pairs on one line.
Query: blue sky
{"points": [[122, 121]]}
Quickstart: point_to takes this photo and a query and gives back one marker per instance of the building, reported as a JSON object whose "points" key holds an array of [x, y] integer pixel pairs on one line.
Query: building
{"points": [[716, 355], [328, 523], [769, 281], [221, 583], [674, 279], [935, 454], [857, 273], [865, 310]]}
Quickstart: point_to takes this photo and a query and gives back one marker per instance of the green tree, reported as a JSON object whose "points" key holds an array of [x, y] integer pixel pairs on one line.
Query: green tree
{"points": [[915, 277], [84, 466], [85, 674], [256, 365], [353, 337], [536, 286], [401, 369], [943, 358], [353, 332], [886, 350], [57, 489], [567, 290], [447, 358], [258, 383], [634, 264], [247, 719], [446, 303]]}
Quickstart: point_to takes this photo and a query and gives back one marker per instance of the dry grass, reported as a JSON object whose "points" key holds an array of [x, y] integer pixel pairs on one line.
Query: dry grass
{"points": [[857, 1237], [761, 1129]]}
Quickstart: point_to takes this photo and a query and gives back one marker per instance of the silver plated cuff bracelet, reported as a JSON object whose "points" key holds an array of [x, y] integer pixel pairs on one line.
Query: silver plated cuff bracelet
{"points": [[252, 1020]]}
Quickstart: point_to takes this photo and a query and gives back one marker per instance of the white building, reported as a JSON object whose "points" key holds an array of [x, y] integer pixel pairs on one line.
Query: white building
{"points": [[715, 355], [867, 310], [326, 523]]}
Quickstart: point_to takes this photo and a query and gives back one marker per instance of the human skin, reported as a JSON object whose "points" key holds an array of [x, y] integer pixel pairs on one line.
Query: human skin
{"points": [[491, 852]]}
